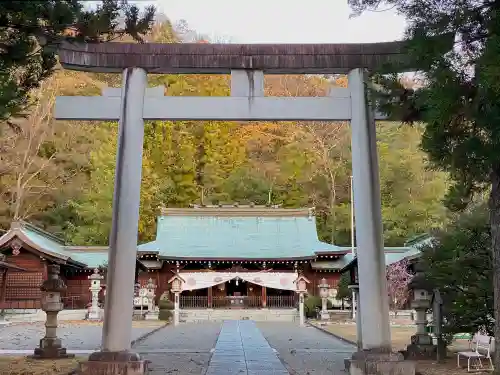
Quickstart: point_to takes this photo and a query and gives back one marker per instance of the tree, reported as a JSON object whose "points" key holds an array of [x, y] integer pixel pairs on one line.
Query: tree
{"points": [[40, 159], [459, 263], [455, 47], [398, 277], [343, 292], [30, 32]]}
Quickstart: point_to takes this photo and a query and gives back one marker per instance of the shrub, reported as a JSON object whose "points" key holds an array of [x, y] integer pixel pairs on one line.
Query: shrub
{"points": [[165, 304], [165, 315], [310, 305]]}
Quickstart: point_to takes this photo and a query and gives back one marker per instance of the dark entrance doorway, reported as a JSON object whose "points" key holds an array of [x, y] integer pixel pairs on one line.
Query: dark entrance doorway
{"points": [[236, 288]]}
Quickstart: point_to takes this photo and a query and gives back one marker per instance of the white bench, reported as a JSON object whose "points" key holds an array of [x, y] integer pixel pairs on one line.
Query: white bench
{"points": [[481, 348]]}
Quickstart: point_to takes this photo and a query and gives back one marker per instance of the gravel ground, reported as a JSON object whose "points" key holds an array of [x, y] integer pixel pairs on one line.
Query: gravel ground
{"points": [[182, 350], [75, 336], [306, 350]]}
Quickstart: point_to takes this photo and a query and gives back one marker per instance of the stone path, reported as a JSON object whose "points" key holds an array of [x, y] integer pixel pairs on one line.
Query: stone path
{"points": [[306, 350], [241, 349], [182, 350]]}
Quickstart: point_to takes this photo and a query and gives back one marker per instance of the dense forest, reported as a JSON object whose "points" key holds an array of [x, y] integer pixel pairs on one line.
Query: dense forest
{"points": [[59, 175]]}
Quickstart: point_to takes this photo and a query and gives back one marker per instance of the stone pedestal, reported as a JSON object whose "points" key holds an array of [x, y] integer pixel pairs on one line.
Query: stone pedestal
{"points": [[177, 312], [151, 315], [113, 363], [302, 314], [325, 315], [374, 362], [422, 347]]}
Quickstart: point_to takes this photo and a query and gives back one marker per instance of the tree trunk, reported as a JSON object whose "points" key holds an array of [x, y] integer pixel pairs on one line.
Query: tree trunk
{"points": [[494, 205]]}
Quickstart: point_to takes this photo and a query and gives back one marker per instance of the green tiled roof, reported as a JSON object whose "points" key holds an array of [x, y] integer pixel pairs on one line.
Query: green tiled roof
{"points": [[46, 241], [92, 259], [237, 237]]}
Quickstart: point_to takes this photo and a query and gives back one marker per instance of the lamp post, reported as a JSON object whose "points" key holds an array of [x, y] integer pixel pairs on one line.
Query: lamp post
{"points": [[176, 282], [301, 285], [353, 250]]}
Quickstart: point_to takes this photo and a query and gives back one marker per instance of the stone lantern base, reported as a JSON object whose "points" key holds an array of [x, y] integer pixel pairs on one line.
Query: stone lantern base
{"points": [[113, 363], [50, 349], [375, 362], [422, 347]]}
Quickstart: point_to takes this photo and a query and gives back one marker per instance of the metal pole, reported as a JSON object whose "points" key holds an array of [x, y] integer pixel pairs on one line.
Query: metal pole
{"points": [[353, 250]]}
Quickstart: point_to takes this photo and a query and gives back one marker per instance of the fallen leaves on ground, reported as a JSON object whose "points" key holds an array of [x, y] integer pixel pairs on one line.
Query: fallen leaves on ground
{"points": [[26, 366]]}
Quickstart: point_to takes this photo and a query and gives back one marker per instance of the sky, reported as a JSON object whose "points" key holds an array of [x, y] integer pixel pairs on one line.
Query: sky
{"points": [[282, 21]]}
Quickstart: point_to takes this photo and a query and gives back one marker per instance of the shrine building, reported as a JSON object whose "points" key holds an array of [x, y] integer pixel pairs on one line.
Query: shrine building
{"points": [[229, 257]]}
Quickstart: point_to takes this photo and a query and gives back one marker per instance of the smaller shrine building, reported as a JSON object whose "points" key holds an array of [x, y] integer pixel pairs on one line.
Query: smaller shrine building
{"points": [[229, 257]]}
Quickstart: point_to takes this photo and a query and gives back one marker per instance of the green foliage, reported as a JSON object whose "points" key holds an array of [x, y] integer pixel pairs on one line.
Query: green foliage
{"points": [[343, 292], [459, 263], [165, 315], [30, 32], [165, 304], [459, 95], [311, 303]]}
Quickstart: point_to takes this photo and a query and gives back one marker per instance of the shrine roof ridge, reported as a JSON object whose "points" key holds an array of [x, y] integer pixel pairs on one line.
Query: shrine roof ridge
{"points": [[238, 211], [174, 58]]}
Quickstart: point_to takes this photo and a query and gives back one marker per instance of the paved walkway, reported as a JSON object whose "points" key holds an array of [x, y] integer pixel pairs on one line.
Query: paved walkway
{"points": [[306, 350], [241, 349], [244, 348]]}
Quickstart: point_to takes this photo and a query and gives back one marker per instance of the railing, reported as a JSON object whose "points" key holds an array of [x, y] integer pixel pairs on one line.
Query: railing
{"points": [[75, 302], [281, 302], [231, 302], [228, 302], [193, 302]]}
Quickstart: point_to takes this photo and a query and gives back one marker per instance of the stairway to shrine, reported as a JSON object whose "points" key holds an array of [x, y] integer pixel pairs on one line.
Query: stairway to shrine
{"points": [[220, 315]]}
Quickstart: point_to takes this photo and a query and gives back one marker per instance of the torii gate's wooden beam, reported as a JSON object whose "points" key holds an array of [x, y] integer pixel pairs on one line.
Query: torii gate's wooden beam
{"points": [[222, 58]]}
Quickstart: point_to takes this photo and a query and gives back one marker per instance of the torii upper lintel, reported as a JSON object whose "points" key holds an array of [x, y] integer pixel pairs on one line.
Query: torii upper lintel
{"points": [[195, 58]]}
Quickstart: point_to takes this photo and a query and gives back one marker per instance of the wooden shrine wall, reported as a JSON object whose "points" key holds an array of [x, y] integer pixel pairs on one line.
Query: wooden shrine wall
{"points": [[22, 289]]}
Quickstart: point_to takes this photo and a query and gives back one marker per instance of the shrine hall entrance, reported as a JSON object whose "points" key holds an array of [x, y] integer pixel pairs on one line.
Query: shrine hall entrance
{"points": [[236, 288]]}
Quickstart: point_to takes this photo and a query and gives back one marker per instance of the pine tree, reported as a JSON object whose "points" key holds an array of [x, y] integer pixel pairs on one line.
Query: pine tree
{"points": [[30, 32]]}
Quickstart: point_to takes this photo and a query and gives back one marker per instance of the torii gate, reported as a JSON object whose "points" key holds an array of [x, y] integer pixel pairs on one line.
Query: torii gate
{"points": [[247, 64]]}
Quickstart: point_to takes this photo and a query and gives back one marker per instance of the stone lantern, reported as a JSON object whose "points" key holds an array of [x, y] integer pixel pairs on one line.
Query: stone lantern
{"points": [[50, 345], [152, 313], [94, 312], [301, 284], [421, 342], [176, 288], [323, 293]]}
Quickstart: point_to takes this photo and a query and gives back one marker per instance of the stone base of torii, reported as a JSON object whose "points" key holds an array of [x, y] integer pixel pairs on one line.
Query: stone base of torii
{"points": [[246, 64]]}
